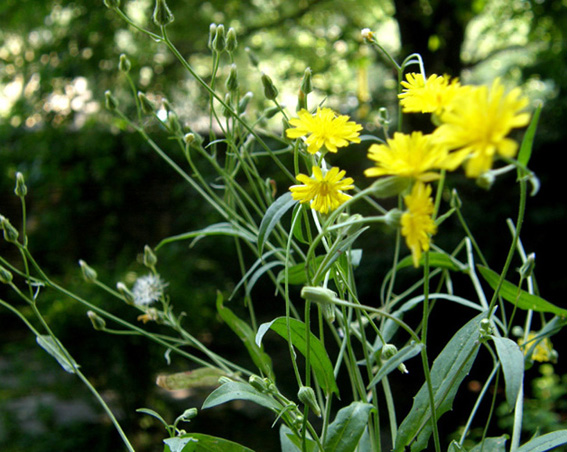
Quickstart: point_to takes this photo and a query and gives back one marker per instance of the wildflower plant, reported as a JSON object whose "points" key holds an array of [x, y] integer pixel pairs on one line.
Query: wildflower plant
{"points": [[301, 234]]}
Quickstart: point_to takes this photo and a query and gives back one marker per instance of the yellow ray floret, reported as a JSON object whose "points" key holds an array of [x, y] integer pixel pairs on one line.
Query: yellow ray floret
{"points": [[427, 96], [324, 129], [416, 156], [324, 192], [478, 122], [417, 222]]}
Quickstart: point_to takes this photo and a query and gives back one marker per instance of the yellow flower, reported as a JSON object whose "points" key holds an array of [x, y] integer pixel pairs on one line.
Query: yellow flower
{"points": [[543, 350], [427, 96], [325, 192], [414, 155], [417, 222], [324, 129], [477, 123]]}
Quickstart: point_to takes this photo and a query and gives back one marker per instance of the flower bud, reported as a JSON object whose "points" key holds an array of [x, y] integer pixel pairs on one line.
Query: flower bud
{"points": [[367, 34], [98, 322], [319, 295], [146, 104], [162, 14], [252, 56], [125, 292], [258, 383], [212, 34], [231, 41], [455, 201], [21, 190], [173, 122], [88, 272], [393, 218], [307, 396], [244, 101], [486, 180], [150, 259], [188, 138], [5, 275], [10, 232], [388, 351], [112, 4], [110, 101], [387, 187], [270, 90], [232, 79], [306, 85], [219, 43], [527, 268], [124, 64], [301, 101], [189, 414]]}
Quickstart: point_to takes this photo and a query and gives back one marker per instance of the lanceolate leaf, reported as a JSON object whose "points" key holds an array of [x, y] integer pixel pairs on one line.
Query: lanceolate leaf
{"points": [[214, 229], [290, 442], [54, 349], [524, 300], [545, 442], [345, 431], [320, 362], [512, 360], [273, 215], [198, 442], [448, 371], [527, 143], [491, 445], [234, 390]]}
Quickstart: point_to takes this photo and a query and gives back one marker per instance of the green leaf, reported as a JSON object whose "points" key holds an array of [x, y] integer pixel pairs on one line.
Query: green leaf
{"points": [[388, 366], [292, 443], [345, 431], [491, 445], [55, 349], [512, 360], [198, 442], [520, 298], [436, 260], [320, 362], [545, 442], [296, 273], [448, 371], [214, 229], [456, 447], [278, 208], [153, 414], [246, 334], [527, 143], [234, 390]]}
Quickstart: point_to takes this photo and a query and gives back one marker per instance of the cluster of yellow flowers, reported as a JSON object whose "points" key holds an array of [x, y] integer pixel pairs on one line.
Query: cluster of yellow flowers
{"points": [[474, 124]]}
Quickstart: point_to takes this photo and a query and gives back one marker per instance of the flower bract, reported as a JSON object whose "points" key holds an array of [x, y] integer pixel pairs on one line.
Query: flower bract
{"points": [[427, 96], [324, 129], [415, 156], [478, 122], [324, 192], [417, 222]]}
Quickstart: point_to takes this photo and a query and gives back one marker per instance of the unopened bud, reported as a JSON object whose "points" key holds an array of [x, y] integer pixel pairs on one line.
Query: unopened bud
{"points": [[527, 268], [110, 101], [173, 122], [486, 180], [162, 14], [231, 41], [88, 272], [244, 101], [306, 85], [112, 4], [10, 232], [125, 292], [189, 414], [5, 275], [219, 43], [388, 351], [98, 322], [270, 90], [393, 218], [271, 111], [301, 101], [252, 56], [150, 259], [320, 295], [124, 64], [188, 138], [212, 34], [146, 104], [21, 190], [307, 396], [258, 383], [232, 79], [455, 201], [387, 187]]}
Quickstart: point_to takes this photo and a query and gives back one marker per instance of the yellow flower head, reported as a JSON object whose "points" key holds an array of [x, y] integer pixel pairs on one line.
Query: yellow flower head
{"points": [[427, 96], [325, 192], [477, 123], [543, 350], [324, 129], [417, 222], [414, 155]]}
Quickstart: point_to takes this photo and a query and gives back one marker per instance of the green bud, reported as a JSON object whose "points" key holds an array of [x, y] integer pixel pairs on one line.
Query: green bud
{"points": [[173, 122], [252, 56], [228, 101], [124, 64], [319, 295], [306, 85], [455, 201], [486, 180], [162, 14], [231, 41], [386, 187], [219, 43], [244, 101], [5, 275], [271, 112], [150, 259], [393, 218], [384, 117], [307, 396], [89, 274], [146, 104], [485, 328], [301, 101], [232, 79], [167, 105], [212, 34], [189, 138], [527, 268], [10, 232], [110, 101], [258, 383], [388, 351], [21, 190], [98, 322], [270, 90], [112, 4], [126, 294], [189, 414]]}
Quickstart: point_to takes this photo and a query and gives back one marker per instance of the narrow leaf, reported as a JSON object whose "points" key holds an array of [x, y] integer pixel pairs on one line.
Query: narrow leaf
{"points": [[512, 360], [491, 445], [214, 229], [403, 355], [448, 371], [345, 431], [436, 260], [545, 442], [522, 299], [199, 442], [320, 361], [292, 443], [296, 273], [234, 390], [153, 413], [527, 143], [273, 215], [55, 349]]}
